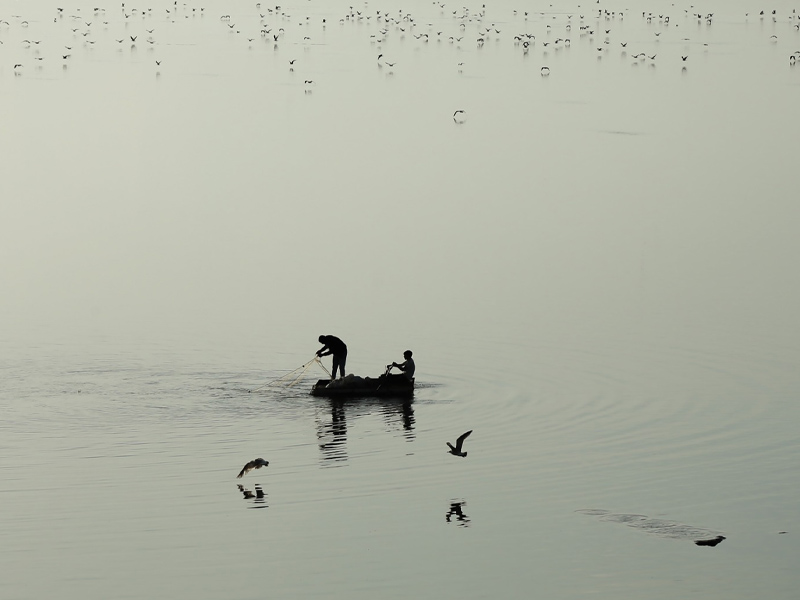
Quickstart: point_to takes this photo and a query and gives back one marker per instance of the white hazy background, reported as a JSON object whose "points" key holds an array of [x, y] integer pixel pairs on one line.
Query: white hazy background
{"points": [[596, 271]]}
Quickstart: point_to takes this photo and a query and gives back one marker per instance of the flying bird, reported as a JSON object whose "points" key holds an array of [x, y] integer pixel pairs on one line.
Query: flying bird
{"points": [[456, 451], [253, 464]]}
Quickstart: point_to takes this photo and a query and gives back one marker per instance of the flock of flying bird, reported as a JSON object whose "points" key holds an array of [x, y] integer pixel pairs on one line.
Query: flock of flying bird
{"points": [[454, 450], [468, 30]]}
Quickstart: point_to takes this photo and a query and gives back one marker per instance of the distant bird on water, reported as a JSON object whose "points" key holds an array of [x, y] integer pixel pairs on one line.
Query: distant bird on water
{"points": [[253, 464], [456, 451], [712, 542]]}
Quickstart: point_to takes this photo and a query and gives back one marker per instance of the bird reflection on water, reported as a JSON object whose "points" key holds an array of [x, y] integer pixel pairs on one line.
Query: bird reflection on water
{"points": [[332, 433], [456, 510], [258, 497]]}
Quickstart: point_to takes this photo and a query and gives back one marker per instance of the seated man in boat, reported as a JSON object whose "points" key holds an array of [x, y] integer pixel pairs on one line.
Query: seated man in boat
{"points": [[407, 367], [337, 347]]}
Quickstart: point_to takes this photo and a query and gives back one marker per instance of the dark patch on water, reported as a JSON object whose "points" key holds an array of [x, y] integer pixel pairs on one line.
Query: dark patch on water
{"points": [[660, 527], [256, 498], [455, 513]]}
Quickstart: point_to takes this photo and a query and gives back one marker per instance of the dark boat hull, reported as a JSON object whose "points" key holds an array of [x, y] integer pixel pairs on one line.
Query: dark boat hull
{"points": [[393, 386]]}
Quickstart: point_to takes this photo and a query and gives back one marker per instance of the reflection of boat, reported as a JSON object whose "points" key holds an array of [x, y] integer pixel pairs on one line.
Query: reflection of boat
{"points": [[352, 386]]}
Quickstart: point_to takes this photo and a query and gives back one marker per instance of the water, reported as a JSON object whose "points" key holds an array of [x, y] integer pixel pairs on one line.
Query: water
{"points": [[595, 271]]}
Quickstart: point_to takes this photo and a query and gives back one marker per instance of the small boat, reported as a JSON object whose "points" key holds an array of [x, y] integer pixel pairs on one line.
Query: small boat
{"points": [[352, 386]]}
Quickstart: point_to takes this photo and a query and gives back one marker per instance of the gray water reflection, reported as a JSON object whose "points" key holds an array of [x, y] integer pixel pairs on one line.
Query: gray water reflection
{"points": [[257, 495], [455, 514], [332, 428]]}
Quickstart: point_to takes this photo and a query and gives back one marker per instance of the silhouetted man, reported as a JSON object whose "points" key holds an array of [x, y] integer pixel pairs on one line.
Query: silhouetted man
{"points": [[337, 348], [408, 367]]}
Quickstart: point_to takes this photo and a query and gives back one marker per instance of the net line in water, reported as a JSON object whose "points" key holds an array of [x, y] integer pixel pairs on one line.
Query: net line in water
{"points": [[292, 377]]}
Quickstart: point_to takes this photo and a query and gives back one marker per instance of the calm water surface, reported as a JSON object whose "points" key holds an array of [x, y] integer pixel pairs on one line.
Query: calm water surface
{"points": [[594, 267]]}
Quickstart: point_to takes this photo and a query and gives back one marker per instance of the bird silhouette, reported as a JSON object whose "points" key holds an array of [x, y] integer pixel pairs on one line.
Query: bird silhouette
{"points": [[253, 464], [712, 542], [456, 451]]}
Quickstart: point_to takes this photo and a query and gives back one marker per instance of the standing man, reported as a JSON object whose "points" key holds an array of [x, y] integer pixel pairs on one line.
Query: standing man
{"points": [[338, 348]]}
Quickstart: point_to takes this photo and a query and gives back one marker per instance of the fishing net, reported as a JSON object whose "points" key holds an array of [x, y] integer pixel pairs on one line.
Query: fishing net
{"points": [[292, 377]]}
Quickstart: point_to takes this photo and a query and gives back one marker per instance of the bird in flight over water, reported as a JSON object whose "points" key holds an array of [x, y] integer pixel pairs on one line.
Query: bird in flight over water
{"points": [[456, 451], [253, 464]]}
